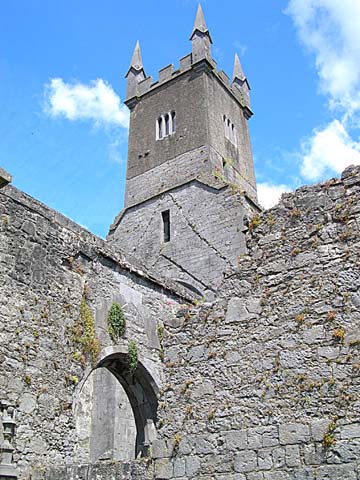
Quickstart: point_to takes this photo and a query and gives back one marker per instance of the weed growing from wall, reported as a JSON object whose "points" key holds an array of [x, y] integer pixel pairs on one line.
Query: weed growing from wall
{"points": [[160, 332], [255, 222], [329, 438], [132, 356], [116, 322], [84, 336]]}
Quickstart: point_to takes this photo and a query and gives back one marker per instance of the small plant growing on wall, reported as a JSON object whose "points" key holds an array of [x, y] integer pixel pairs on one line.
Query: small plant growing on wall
{"points": [[132, 356], [339, 334], [255, 222], [84, 336], [329, 438], [116, 322]]}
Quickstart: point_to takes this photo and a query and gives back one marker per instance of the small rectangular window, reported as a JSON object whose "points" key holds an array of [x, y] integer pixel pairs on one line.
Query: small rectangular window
{"points": [[166, 225]]}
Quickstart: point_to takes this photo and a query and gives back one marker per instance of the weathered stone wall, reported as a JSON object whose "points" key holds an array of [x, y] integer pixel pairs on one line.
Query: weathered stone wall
{"points": [[206, 232], [57, 284], [141, 470], [264, 383], [223, 103], [185, 95], [261, 384], [172, 173]]}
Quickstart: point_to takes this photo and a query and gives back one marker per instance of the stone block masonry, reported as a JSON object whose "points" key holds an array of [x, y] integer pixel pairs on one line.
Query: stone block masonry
{"points": [[206, 232], [264, 382], [57, 284], [109, 371]]}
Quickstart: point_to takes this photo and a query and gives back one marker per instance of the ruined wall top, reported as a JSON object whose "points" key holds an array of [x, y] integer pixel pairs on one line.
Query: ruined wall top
{"points": [[263, 383]]}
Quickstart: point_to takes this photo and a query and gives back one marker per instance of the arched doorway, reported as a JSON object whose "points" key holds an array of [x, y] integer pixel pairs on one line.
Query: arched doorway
{"points": [[116, 410], [142, 393]]}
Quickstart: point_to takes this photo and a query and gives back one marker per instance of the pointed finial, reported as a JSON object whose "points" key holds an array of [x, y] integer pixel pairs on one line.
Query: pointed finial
{"points": [[238, 71], [200, 24], [136, 60]]}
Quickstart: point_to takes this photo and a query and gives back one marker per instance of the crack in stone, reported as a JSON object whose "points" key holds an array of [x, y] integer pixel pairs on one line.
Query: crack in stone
{"points": [[188, 273], [146, 229], [203, 239]]}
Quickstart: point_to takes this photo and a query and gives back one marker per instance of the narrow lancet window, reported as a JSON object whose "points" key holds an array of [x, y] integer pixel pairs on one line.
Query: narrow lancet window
{"points": [[173, 118], [167, 126], [159, 129], [233, 134], [166, 225], [229, 130]]}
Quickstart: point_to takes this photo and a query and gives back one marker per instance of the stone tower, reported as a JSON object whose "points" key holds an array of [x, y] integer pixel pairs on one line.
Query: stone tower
{"points": [[190, 176]]}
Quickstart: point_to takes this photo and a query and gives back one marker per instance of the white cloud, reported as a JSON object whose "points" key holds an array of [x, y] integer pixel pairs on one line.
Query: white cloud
{"points": [[269, 194], [76, 101], [329, 29], [329, 150], [241, 48]]}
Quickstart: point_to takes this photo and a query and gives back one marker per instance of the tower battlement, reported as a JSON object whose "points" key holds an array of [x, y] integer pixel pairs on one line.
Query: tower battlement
{"points": [[168, 73]]}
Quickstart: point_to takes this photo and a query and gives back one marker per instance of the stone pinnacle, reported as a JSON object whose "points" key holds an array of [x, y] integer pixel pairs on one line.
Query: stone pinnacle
{"points": [[238, 71], [136, 60]]}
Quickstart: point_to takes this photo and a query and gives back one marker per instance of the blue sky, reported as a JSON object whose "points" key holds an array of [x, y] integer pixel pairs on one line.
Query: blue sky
{"points": [[63, 127]]}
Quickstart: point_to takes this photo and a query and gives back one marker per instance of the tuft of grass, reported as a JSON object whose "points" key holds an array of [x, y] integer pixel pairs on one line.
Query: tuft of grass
{"points": [[84, 338], [271, 220], [160, 332], [329, 438], [330, 316], [300, 317], [295, 213], [177, 440], [339, 334], [211, 414], [254, 222]]}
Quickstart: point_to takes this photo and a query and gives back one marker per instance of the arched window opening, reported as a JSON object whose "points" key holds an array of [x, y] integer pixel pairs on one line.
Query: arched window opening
{"points": [[173, 118], [229, 130], [166, 125], [225, 127], [233, 134], [160, 130], [157, 130]]}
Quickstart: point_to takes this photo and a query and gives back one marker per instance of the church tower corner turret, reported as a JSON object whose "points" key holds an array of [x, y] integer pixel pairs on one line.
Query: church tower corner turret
{"points": [[240, 81], [200, 38], [135, 74], [190, 176]]}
